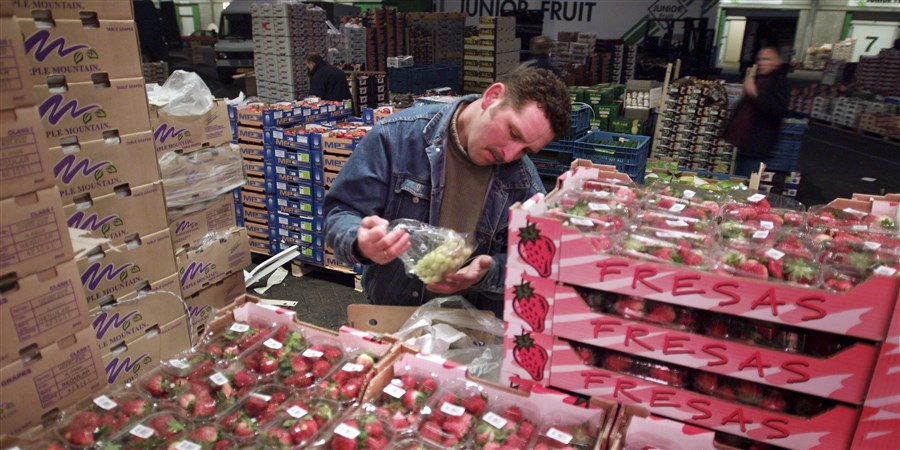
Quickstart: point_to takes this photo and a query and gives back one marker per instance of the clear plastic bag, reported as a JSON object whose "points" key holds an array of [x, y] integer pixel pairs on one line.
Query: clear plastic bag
{"points": [[434, 251], [201, 177], [183, 94]]}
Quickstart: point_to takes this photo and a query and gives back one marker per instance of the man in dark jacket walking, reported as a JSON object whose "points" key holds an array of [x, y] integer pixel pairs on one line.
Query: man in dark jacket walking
{"points": [[326, 81], [754, 127], [540, 47]]}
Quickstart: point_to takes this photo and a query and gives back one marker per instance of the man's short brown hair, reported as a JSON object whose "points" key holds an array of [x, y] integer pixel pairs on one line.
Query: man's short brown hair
{"points": [[540, 45], [530, 84]]}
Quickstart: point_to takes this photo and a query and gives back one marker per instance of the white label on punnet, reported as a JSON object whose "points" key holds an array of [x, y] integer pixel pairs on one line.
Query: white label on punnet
{"points": [[859, 228], [495, 420], [774, 254], [688, 194], [453, 410], [239, 327], [105, 402], [188, 445], [755, 198], [676, 223], [872, 245], [559, 436], [142, 431], [603, 194], [297, 412], [346, 431], [310, 353], [264, 397], [598, 206], [273, 344], [218, 378], [350, 367], [761, 234], [884, 270], [394, 390], [855, 212], [581, 221], [678, 207], [179, 364], [765, 224]]}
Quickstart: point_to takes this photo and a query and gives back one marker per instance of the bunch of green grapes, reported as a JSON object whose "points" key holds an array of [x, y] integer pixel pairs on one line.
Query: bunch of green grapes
{"points": [[446, 258]]}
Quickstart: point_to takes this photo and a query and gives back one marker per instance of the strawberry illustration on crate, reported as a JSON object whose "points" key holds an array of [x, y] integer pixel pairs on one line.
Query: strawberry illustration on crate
{"points": [[363, 431], [103, 418], [299, 422], [530, 356], [156, 432], [402, 399], [302, 370], [204, 437], [530, 306], [508, 429], [536, 249], [573, 436], [453, 417], [344, 385]]}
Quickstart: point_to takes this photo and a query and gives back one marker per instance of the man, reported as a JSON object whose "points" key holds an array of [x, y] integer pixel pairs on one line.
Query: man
{"points": [[326, 81], [756, 121], [540, 47], [459, 165]]}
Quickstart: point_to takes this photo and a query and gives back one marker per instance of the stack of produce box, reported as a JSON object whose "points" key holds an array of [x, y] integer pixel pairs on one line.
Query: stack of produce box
{"points": [[87, 75], [383, 37], [44, 316], [439, 37], [494, 52], [283, 34], [691, 123], [726, 311], [880, 73]]}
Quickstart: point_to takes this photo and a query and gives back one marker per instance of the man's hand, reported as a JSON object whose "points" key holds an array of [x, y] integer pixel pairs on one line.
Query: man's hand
{"points": [[375, 243], [750, 86], [463, 278]]}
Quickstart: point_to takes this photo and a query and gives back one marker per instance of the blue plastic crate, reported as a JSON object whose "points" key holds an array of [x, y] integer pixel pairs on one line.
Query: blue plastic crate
{"points": [[794, 126], [631, 161], [581, 119]]}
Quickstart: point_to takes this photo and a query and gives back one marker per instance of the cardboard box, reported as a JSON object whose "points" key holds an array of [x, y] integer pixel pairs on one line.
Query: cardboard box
{"points": [[116, 216], [214, 298], [103, 9], [99, 167], [190, 229], [185, 134], [87, 112], [15, 82], [211, 262], [109, 272], [82, 51], [26, 166], [64, 373], [334, 163], [34, 235], [131, 360], [40, 309]]}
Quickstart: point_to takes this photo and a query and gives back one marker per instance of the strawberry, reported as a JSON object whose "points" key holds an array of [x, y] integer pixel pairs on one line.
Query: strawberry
{"points": [[706, 382], [667, 375], [320, 368], [617, 362], [475, 404], [630, 307], [753, 268], [204, 434], [136, 407], [663, 253], [839, 285], [428, 385], [530, 306], [277, 438], [776, 268], [530, 356], [774, 401], [536, 250], [242, 379], [800, 271], [661, 314]]}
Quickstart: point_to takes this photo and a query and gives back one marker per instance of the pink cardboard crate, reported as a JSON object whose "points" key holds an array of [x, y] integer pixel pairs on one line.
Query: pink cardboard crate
{"points": [[528, 301], [526, 358], [828, 430], [844, 376]]}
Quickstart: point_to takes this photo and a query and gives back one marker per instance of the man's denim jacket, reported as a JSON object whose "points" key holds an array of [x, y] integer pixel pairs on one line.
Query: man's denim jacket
{"points": [[397, 171]]}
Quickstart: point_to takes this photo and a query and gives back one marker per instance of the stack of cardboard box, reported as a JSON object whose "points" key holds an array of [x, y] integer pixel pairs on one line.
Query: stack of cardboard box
{"points": [[383, 36], [49, 358], [442, 33], [494, 52]]}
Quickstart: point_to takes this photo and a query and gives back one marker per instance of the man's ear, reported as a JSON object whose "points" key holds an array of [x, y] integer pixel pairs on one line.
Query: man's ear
{"points": [[493, 94]]}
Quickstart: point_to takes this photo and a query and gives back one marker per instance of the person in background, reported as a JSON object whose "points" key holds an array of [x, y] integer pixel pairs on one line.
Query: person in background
{"points": [[459, 165], [540, 47], [326, 81], [756, 121]]}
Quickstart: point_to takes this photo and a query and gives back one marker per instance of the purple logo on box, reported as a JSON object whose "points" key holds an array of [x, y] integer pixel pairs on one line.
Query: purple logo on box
{"points": [[185, 225], [116, 366], [53, 109], [165, 132], [42, 48], [93, 222], [104, 322], [98, 273], [69, 169], [191, 271], [196, 311]]}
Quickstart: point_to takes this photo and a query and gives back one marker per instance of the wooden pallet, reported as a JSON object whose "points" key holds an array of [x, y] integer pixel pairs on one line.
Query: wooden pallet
{"points": [[299, 269]]}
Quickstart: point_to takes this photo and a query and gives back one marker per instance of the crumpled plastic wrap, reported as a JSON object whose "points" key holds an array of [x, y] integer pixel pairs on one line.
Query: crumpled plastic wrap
{"points": [[193, 180], [454, 329], [183, 94], [434, 252]]}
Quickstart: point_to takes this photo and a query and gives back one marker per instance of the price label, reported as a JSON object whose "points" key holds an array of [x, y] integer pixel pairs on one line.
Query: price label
{"points": [[351, 367], [187, 445], [756, 198], [218, 378], [581, 221], [453, 410], [688, 194], [603, 194], [179, 364], [559, 436], [263, 397], [105, 402], [884, 270], [495, 420], [761, 234], [678, 207], [871, 245], [598, 206], [297, 412], [394, 390], [855, 212], [346, 431], [859, 228], [142, 431], [766, 225], [239, 327], [273, 344], [676, 223], [310, 353], [774, 254]]}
